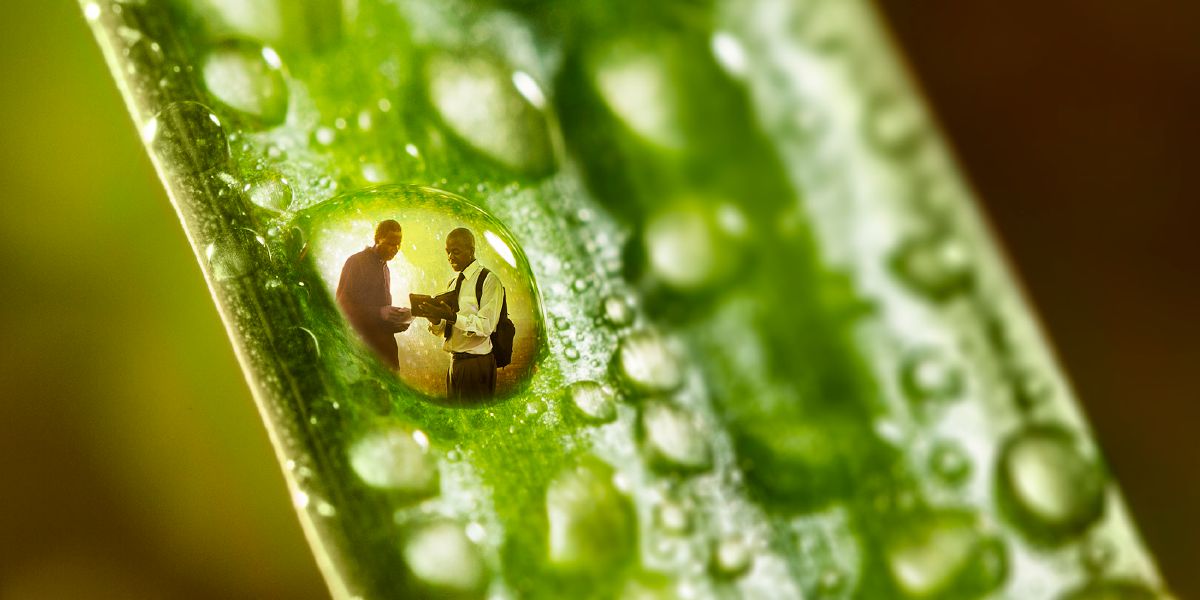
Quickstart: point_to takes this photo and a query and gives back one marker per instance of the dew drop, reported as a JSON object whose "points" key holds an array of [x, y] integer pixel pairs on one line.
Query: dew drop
{"points": [[927, 375], [1051, 491], [593, 400], [686, 247], [247, 78], [1095, 555], [187, 136], [732, 556], [591, 523], [943, 555], [571, 353], [324, 136], [729, 53], [272, 192], [893, 123], [937, 265], [444, 558], [949, 463], [617, 311], [674, 518], [634, 78], [648, 363], [673, 440], [395, 459], [479, 102], [227, 259]]}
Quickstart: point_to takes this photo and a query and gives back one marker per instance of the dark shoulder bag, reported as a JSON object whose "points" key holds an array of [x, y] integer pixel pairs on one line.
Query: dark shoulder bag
{"points": [[505, 331]]}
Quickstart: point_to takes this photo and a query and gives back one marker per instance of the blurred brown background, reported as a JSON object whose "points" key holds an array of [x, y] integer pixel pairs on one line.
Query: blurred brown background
{"points": [[132, 458]]}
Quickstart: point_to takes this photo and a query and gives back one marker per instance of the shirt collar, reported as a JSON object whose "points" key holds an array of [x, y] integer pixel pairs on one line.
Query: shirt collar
{"points": [[371, 250], [472, 269]]}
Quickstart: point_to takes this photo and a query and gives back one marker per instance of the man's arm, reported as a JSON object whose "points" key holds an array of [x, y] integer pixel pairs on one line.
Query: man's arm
{"points": [[483, 323], [350, 294]]}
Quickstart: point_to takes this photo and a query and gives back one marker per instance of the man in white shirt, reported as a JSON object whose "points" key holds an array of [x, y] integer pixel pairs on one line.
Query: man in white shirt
{"points": [[468, 329]]}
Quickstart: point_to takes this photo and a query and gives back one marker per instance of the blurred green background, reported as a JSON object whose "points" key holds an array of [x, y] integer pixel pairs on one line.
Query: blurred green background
{"points": [[133, 460]]}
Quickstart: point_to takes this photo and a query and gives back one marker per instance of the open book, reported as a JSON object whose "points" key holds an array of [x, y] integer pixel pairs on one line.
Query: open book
{"points": [[421, 303]]}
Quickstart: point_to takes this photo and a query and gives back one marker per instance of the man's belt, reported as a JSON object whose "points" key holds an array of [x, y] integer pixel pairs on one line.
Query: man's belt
{"points": [[466, 355]]}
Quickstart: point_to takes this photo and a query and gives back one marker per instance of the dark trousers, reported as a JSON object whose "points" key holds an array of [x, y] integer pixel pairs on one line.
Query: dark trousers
{"points": [[472, 377]]}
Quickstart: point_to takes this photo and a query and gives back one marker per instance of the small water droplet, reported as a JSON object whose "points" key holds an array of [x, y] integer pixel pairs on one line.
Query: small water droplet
{"points": [[442, 557], [561, 323], [325, 509], [674, 518], [949, 463], [927, 375], [672, 438], [477, 99], [686, 247], [936, 265], [1096, 554], [324, 136], [271, 192], [617, 311], [733, 556], [593, 400], [591, 524], [729, 53], [648, 363], [395, 459], [571, 353], [893, 123], [943, 555], [411, 150], [227, 258], [247, 78], [1048, 487]]}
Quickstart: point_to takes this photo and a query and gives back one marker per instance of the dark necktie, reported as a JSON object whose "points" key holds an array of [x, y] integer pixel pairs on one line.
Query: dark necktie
{"points": [[457, 289]]}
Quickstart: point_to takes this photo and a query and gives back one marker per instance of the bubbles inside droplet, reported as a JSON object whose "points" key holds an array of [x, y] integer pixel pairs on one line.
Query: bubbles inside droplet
{"points": [[593, 400], [442, 557], [395, 459], [247, 78], [1048, 487], [672, 439], [648, 363]]}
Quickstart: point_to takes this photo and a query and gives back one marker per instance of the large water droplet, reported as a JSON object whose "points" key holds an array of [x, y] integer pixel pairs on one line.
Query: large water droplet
{"points": [[478, 100], [442, 557], [247, 78], [687, 248], [594, 401], [1048, 487], [672, 438], [591, 523], [1115, 589], [396, 459], [937, 265], [943, 555], [648, 363], [187, 136]]}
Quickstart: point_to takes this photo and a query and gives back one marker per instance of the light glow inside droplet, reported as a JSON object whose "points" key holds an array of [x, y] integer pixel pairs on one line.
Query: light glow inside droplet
{"points": [[529, 88], [92, 11], [501, 248], [272, 58]]}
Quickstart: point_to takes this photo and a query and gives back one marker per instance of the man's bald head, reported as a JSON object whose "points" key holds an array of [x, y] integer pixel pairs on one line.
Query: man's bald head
{"points": [[460, 248]]}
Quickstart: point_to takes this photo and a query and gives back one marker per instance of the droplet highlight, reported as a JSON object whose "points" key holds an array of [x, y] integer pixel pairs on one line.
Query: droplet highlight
{"points": [[247, 78]]}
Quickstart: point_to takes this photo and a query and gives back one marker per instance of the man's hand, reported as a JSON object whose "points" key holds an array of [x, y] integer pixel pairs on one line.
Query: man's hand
{"points": [[440, 311]]}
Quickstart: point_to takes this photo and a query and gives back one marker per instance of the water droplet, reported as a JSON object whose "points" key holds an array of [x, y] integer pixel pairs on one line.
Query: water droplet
{"points": [[927, 375], [937, 265], [635, 80], [733, 556], [648, 363], [943, 555], [228, 259], [187, 136], [672, 438], [1051, 491], [529, 88], [324, 136], [394, 459], [478, 100], [271, 192], [617, 311], [1113, 589], [442, 557], [593, 400], [893, 123], [674, 518], [247, 78], [591, 523], [686, 247], [949, 463], [325, 509], [570, 353], [729, 53]]}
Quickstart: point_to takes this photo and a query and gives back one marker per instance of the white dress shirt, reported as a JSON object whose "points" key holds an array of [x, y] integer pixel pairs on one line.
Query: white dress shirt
{"points": [[476, 320]]}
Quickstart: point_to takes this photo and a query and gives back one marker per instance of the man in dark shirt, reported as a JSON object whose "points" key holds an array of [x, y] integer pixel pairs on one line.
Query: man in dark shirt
{"points": [[364, 293]]}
